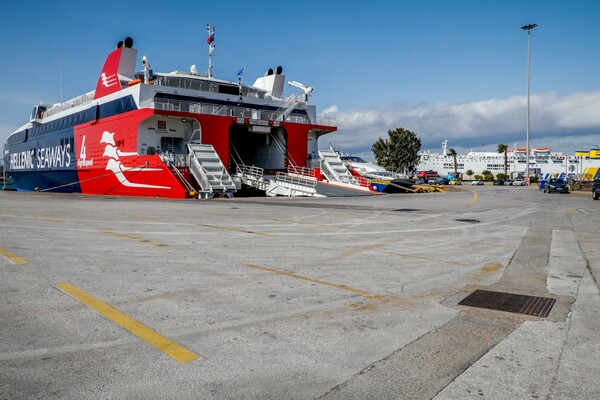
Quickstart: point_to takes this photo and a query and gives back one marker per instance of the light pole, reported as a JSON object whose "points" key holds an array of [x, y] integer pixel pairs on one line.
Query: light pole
{"points": [[528, 28]]}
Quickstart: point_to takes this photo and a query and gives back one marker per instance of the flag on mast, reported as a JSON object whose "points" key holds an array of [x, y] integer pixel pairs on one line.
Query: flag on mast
{"points": [[211, 38]]}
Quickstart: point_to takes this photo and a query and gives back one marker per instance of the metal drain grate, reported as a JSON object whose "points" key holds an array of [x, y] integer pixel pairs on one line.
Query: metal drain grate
{"points": [[509, 302]]}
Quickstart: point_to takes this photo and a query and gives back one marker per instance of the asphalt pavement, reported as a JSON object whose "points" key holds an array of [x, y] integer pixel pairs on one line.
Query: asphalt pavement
{"points": [[299, 298]]}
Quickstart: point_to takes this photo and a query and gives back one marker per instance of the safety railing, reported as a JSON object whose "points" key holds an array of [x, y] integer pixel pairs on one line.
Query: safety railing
{"points": [[300, 171], [230, 111], [77, 101], [296, 180], [250, 170]]}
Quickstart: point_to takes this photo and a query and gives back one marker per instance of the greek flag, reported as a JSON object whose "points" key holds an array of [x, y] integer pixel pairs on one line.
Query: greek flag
{"points": [[241, 71]]}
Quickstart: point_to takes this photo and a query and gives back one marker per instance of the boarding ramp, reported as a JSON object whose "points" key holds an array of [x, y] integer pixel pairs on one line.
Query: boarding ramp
{"points": [[296, 182], [206, 167], [334, 169], [252, 176]]}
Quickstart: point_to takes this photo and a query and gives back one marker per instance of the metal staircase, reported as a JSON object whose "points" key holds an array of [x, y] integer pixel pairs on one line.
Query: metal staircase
{"points": [[334, 169], [281, 113], [209, 171]]}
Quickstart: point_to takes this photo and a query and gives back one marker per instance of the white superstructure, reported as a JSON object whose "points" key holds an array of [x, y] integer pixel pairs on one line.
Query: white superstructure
{"points": [[542, 162]]}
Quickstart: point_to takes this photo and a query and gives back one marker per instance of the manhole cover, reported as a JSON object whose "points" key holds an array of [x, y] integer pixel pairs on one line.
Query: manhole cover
{"points": [[509, 302], [469, 220]]}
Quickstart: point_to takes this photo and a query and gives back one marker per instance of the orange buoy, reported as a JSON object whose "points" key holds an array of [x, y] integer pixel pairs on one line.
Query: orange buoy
{"points": [[134, 82]]}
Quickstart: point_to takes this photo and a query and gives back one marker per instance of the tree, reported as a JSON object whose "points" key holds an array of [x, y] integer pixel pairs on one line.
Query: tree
{"points": [[453, 153], [399, 152], [469, 173], [503, 148]]}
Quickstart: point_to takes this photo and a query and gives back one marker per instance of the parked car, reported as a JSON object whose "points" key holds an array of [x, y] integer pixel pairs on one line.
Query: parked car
{"points": [[596, 188], [519, 182], [498, 182], [508, 182], [556, 185], [477, 182]]}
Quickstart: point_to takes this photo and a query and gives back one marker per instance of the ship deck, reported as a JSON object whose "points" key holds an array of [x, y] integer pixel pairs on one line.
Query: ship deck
{"points": [[284, 298]]}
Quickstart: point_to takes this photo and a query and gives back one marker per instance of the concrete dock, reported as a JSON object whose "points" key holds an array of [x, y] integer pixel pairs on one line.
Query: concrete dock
{"points": [[298, 298]]}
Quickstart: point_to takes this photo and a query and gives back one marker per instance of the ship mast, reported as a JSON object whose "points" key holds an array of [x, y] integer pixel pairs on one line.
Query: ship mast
{"points": [[211, 47]]}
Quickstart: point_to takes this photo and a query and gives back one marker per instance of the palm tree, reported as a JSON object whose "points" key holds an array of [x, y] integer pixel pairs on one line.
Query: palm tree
{"points": [[452, 152], [503, 148], [470, 173]]}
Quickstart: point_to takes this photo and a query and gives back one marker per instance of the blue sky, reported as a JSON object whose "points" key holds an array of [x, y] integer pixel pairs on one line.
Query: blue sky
{"points": [[453, 70]]}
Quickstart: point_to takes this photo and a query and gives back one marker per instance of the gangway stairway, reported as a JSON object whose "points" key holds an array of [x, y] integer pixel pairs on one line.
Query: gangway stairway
{"points": [[206, 167], [334, 169]]}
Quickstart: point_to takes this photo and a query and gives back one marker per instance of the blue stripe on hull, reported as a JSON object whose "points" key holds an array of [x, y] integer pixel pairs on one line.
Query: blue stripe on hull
{"points": [[64, 181]]}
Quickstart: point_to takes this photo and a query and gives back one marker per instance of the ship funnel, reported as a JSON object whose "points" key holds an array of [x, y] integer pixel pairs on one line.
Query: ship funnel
{"points": [[119, 68]]}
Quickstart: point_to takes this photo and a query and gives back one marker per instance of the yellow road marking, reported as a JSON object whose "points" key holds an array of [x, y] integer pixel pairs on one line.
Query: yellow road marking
{"points": [[305, 278], [13, 258], [235, 230], [167, 346], [472, 200], [426, 258], [569, 211], [134, 238], [50, 218]]}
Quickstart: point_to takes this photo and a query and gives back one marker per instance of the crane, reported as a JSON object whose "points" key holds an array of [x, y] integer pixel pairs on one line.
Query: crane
{"points": [[307, 89]]}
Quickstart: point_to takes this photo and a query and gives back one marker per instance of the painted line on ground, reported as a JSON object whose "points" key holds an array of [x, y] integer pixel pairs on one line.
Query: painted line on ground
{"points": [[473, 200], [140, 330], [366, 248], [308, 223], [427, 258], [305, 278], [234, 229], [137, 239], [12, 258], [44, 217]]}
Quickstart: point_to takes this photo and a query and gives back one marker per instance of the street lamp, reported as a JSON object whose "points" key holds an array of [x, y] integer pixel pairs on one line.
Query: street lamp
{"points": [[528, 28]]}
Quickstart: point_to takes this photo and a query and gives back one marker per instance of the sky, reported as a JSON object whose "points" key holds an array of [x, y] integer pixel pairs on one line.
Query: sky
{"points": [[444, 69]]}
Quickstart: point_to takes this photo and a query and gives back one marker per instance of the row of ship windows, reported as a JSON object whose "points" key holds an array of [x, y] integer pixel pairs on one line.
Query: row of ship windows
{"points": [[93, 113], [459, 166]]}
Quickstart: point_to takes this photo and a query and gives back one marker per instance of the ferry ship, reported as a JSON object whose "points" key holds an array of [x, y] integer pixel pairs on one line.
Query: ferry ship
{"points": [[175, 135], [543, 163]]}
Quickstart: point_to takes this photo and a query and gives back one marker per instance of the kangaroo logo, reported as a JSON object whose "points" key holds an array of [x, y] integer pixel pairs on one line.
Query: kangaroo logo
{"points": [[115, 165]]}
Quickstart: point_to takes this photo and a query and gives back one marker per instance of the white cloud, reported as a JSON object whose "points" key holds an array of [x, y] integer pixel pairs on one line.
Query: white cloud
{"points": [[564, 122]]}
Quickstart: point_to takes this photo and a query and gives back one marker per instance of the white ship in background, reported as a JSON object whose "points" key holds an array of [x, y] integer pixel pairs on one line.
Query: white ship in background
{"points": [[543, 162]]}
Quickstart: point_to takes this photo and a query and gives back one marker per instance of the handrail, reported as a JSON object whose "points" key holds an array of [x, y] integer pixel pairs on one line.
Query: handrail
{"points": [[250, 170], [301, 171], [198, 107], [306, 181], [199, 172]]}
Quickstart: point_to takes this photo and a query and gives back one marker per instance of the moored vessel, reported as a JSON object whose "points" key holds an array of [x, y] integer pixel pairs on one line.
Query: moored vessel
{"points": [[543, 162], [177, 134]]}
